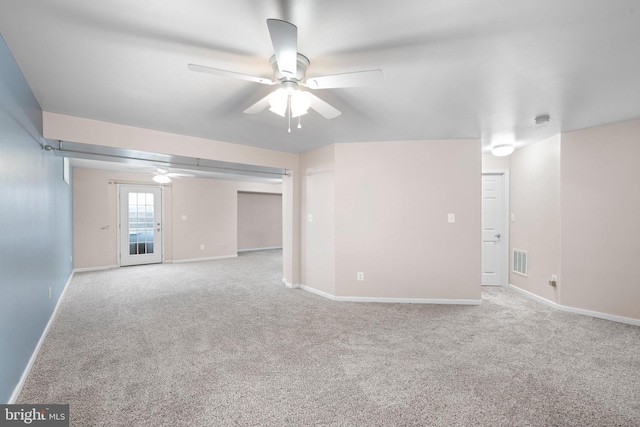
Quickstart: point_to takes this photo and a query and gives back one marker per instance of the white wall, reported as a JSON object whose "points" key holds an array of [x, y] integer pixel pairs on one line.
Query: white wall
{"points": [[489, 161]]}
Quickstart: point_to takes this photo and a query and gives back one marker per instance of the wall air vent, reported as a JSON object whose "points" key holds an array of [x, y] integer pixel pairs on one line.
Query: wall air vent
{"points": [[520, 261]]}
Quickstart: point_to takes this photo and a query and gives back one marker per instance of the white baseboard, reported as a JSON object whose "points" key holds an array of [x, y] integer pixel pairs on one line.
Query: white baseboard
{"points": [[180, 261], [597, 314], [34, 355], [107, 267], [318, 292], [392, 300], [289, 285], [260, 249]]}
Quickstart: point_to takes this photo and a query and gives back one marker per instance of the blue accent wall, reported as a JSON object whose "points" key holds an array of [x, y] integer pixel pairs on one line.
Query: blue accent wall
{"points": [[36, 233]]}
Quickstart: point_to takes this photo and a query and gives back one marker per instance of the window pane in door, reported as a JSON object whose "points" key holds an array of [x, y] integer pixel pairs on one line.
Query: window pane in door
{"points": [[141, 223]]}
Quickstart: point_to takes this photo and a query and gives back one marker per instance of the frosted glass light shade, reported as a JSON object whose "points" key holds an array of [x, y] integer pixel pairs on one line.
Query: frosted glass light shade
{"points": [[300, 103], [502, 150], [161, 179], [278, 101]]}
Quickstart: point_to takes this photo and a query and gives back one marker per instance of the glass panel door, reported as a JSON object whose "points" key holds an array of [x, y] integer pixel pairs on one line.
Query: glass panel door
{"points": [[140, 225]]}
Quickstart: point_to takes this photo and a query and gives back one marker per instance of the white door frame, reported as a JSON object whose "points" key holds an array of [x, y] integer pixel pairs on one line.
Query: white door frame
{"points": [[506, 264], [119, 219]]}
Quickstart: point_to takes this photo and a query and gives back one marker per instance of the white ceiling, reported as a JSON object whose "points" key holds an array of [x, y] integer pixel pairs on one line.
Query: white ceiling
{"points": [[453, 68]]}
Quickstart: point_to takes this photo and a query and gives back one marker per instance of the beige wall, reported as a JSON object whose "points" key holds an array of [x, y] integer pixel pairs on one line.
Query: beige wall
{"points": [[392, 201], [535, 202], [77, 129], [601, 219], [210, 207], [211, 211], [259, 220], [318, 256]]}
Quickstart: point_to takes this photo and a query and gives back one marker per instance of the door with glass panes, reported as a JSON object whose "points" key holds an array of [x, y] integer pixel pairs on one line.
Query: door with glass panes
{"points": [[140, 225]]}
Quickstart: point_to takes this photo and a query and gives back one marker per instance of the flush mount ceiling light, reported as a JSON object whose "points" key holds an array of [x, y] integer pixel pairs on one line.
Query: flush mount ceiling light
{"points": [[502, 150]]}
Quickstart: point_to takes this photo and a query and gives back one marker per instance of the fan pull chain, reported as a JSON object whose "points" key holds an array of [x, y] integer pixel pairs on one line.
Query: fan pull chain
{"points": [[299, 125], [289, 114]]}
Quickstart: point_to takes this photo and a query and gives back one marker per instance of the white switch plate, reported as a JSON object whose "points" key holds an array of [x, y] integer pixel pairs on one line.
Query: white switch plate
{"points": [[184, 217], [360, 276], [310, 218], [513, 217], [451, 218], [201, 246]]}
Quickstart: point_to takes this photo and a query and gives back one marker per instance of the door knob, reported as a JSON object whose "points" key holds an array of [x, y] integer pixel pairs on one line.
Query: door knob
{"points": [[498, 235]]}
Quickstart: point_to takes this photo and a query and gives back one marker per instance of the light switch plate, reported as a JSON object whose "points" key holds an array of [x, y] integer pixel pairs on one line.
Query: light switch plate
{"points": [[451, 218]]}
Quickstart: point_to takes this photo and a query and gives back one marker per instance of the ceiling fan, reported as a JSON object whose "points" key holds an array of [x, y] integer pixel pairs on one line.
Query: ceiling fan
{"points": [[289, 69], [163, 176]]}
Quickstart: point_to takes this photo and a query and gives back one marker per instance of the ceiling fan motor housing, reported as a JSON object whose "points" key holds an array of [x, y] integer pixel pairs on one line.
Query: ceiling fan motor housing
{"points": [[301, 70]]}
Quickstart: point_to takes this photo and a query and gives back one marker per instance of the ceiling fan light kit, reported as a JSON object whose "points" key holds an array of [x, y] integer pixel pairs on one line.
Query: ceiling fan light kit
{"points": [[289, 69], [161, 179]]}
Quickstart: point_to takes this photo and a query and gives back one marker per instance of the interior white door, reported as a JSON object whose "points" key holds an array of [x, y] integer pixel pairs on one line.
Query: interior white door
{"points": [[492, 229], [140, 225]]}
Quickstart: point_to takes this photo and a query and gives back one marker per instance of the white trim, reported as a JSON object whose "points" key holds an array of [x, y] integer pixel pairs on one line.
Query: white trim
{"points": [[260, 249], [104, 267], [412, 300], [18, 389], [318, 292], [119, 242], [289, 285], [392, 300], [574, 310], [506, 203], [212, 258]]}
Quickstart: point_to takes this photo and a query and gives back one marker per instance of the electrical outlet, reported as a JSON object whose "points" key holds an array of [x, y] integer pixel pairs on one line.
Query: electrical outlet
{"points": [[49, 292], [360, 276], [202, 247], [184, 217]]}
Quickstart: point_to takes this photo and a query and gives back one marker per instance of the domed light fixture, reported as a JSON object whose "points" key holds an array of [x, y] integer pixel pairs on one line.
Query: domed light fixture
{"points": [[502, 150]]}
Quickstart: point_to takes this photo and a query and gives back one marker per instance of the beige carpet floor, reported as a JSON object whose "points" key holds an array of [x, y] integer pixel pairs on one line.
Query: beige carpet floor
{"points": [[224, 343]]}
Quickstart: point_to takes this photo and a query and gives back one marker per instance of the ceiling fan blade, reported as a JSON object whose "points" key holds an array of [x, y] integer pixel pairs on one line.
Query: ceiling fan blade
{"points": [[284, 37], [181, 175], [326, 110], [225, 73], [357, 79], [258, 106]]}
